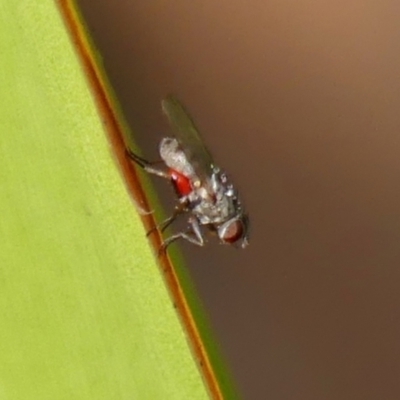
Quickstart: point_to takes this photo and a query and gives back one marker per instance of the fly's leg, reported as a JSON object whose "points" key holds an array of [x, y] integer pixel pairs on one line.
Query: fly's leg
{"points": [[147, 165], [192, 235], [179, 209]]}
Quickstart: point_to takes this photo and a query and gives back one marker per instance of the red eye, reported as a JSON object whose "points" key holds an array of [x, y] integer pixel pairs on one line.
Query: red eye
{"points": [[231, 232]]}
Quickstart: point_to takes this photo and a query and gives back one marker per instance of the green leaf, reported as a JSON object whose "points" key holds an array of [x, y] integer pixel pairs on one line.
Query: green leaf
{"points": [[84, 311]]}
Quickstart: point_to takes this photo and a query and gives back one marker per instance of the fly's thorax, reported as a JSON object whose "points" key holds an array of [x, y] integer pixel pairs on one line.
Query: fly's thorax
{"points": [[216, 201], [175, 158]]}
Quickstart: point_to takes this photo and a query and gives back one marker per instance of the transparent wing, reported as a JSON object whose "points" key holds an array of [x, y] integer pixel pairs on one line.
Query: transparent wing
{"points": [[189, 137]]}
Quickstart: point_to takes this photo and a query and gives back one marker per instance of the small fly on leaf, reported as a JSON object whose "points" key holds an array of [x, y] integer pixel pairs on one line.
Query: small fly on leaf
{"points": [[204, 191]]}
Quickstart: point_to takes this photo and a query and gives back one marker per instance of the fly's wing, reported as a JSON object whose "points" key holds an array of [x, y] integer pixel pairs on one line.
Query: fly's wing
{"points": [[188, 136]]}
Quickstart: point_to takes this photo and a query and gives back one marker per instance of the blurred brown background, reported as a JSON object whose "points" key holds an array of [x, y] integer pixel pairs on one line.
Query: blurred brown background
{"points": [[299, 102]]}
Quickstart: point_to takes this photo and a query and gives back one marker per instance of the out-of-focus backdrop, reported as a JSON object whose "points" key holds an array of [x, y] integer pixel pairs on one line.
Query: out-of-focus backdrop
{"points": [[299, 101]]}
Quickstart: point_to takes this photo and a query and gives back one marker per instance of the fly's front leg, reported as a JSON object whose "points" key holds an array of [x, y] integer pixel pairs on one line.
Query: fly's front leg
{"points": [[179, 209], [147, 165], [192, 235]]}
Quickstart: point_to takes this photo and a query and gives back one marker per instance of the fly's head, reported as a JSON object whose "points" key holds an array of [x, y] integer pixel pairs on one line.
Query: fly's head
{"points": [[234, 229]]}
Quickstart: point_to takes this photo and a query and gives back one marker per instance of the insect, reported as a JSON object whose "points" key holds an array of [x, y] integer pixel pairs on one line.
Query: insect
{"points": [[204, 191]]}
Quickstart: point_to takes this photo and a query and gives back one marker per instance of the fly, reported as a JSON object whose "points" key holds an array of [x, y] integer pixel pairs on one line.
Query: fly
{"points": [[204, 191]]}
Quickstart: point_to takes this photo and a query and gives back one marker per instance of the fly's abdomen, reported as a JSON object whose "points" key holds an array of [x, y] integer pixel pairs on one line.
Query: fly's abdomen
{"points": [[175, 158], [181, 183]]}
